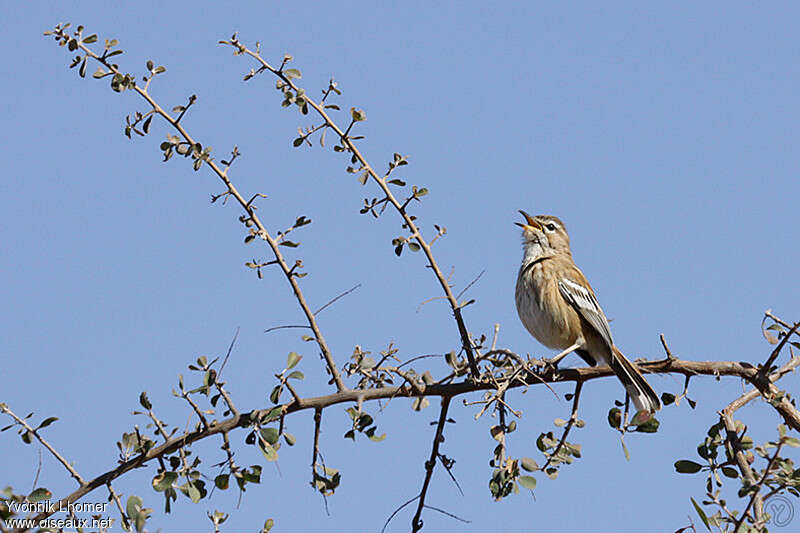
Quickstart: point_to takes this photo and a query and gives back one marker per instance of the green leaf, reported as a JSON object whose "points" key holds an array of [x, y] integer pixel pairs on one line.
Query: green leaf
{"points": [[730, 472], [667, 398], [651, 426], [164, 480], [296, 375], [292, 73], [293, 359], [529, 482], [268, 525], [792, 441], [376, 438], [687, 467], [701, 514], [268, 451], [357, 114], [275, 395], [414, 247], [615, 417], [297, 142], [289, 438], [39, 495], [193, 492], [420, 403], [270, 435], [90, 39], [529, 465], [133, 506], [47, 421], [222, 481]]}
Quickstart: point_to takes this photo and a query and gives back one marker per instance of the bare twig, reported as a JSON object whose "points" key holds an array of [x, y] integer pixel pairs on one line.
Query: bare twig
{"points": [[126, 525], [416, 522], [572, 419], [345, 293], [72, 472], [777, 350]]}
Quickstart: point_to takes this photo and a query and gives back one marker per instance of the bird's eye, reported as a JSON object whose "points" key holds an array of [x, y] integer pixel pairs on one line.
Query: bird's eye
{"points": [[550, 227]]}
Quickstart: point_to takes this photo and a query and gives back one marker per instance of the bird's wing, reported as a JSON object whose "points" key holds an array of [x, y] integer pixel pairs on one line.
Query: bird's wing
{"points": [[575, 289]]}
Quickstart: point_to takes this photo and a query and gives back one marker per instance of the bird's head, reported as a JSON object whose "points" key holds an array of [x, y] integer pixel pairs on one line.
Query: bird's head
{"points": [[544, 232]]}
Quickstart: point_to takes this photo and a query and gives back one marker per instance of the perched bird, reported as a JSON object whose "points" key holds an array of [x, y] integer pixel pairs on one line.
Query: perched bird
{"points": [[557, 306]]}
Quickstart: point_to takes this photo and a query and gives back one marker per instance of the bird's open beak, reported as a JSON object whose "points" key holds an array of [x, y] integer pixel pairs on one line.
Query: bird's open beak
{"points": [[530, 222]]}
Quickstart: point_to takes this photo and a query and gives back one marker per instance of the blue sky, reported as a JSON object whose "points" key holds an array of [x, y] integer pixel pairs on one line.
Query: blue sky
{"points": [[664, 137]]}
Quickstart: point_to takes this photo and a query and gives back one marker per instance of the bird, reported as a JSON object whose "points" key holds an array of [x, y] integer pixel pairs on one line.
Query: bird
{"points": [[558, 307]]}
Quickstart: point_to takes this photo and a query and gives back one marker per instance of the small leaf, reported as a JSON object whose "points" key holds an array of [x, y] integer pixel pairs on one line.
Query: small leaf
{"points": [[292, 73], [289, 438], [792, 441], [357, 114], [296, 375], [47, 421], [667, 398], [614, 417], [377, 438], [39, 495], [270, 435], [292, 359], [529, 464], [687, 467], [222, 481], [275, 395], [529, 482], [651, 426], [560, 422], [133, 506], [164, 480], [701, 514], [730, 472], [297, 142], [90, 39], [268, 451]]}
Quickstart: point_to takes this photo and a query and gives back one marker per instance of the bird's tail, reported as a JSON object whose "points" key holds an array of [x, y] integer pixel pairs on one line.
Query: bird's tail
{"points": [[640, 391]]}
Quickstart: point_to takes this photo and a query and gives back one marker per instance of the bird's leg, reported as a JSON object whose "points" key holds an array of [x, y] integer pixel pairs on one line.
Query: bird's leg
{"points": [[554, 361]]}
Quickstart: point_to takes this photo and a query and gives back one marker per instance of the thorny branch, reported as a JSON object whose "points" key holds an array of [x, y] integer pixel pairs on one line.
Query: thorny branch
{"points": [[246, 205], [416, 522], [382, 182]]}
